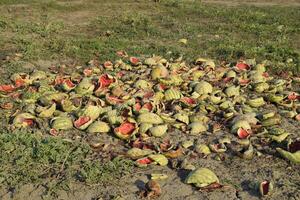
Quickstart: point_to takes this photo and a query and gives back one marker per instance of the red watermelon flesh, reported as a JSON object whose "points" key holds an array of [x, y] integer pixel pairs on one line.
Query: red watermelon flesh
{"points": [[7, 88], [144, 161], [242, 66], [105, 81], [114, 100], [137, 106], [242, 133], [87, 72], [69, 83], [81, 121], [53, 132], [108, 65], [28, 122], [228, 79], [148, 106], [19, 82], [265, 187], [188, 100], [244, 81], [293, 96], [126, 128], [134, 60]]}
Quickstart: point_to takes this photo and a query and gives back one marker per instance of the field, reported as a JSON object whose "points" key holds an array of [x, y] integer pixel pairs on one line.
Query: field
{"points": [[36, 34]]}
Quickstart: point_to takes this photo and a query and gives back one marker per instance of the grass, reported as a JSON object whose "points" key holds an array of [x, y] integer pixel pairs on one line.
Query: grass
{"points": [[54, 163], [77, 30]]}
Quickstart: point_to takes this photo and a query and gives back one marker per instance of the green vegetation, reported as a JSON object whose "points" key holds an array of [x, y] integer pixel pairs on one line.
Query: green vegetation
{"points": [[53, 163], [98, 28]]}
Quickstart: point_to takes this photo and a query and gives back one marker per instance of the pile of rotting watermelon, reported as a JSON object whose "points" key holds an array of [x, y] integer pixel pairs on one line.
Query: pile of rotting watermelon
{"points": [[239, 106]]}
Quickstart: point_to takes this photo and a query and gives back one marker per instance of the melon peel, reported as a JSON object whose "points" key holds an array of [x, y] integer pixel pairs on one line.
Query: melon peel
{"points": [[202, 177]]}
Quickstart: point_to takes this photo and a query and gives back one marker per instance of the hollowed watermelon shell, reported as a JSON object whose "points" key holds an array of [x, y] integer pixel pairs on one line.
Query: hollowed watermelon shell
{"points": [[265, 188], [242, 66], [228, 79], [134, 60], [7, 88], [143, 162], [108, 65], [266, 75], [15, 95], [87, 72], [53, 132], [120, 74], [125, 130], [121, 53], [244, 81], [137, 107], [188, 101], [68, 85], [7, 105], [148, 106], [58, 80], [113, 100], [297, 117], [82, 122], [19, 82], [32, 89], [242, 133], [294, 146], [160, 87], [293, 96], [105, 81], [148, 95], [28, 122]]}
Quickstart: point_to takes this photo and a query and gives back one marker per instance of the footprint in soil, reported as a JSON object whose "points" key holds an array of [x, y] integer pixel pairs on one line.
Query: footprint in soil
{"points": [[182, 174], [140, 185], [249, 187]]}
